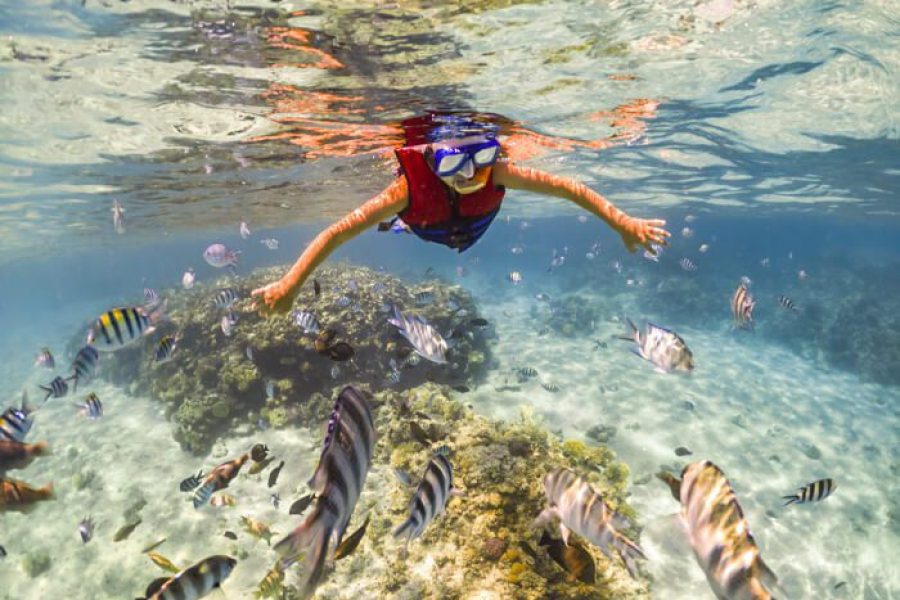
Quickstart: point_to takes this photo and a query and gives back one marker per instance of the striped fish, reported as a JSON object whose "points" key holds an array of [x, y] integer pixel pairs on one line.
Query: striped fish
{"points": [[306, 321], [719, 533], [218, 479], [45, 359], [92, 406], [687, 264], [663, 347], [786, 303], [15, 423], [151, 299], [56, 388], [579, 508], [431, 496], [812, 492], [424, 338], [742, 304], [337, 482], [225, 298], [84, 366], [119, 327], [193, 583], [165, 348]]}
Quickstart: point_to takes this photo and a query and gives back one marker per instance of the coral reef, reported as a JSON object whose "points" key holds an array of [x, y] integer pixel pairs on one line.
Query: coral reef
{"points": [[485, 545], [214, 381]]}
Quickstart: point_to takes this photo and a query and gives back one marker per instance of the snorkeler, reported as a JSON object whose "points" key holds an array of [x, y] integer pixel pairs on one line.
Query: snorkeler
{"points": [[450, 187]]}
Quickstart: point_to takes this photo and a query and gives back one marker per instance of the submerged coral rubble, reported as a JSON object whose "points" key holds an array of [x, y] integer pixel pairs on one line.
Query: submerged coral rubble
{"points": [[485, 545], [215, 381]]}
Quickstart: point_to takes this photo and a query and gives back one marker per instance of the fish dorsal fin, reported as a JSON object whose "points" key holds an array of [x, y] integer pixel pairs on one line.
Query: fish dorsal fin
{"points": [[155, 586], [673, 482]]}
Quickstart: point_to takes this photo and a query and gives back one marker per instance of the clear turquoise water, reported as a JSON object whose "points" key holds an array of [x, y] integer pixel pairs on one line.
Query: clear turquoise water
{"points": [[776, 137]]}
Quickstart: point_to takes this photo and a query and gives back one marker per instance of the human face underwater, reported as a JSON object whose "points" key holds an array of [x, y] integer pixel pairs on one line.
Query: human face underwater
{"points": [[465, 164]]}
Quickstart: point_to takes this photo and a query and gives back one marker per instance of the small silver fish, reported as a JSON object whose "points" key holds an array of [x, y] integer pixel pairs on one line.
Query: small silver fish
{"points": [[582, 219], [812, 492], [687, 233], [248, 351], [228, 323], [219, 256], [514, 277], [118, 212], [343, 302], [187, 280], [517, 249], [703, 248], [244, 230], [764, 263], [742, 304], [86, 529], [276, 500], [270, 389], [270, 243], [335, 372], [44, 359], [687, 265], [307, 321]]}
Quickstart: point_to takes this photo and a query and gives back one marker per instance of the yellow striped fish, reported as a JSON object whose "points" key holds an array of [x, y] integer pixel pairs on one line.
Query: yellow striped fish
{"points": [[119, 327], [719, 534], [193, 583]]}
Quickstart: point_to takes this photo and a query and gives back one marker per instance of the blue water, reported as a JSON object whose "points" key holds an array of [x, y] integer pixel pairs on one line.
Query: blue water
{"points": [[772, 141]]}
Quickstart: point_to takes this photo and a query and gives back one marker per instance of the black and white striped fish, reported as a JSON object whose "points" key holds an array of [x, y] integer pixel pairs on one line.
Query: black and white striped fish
{"points": [[84, 366], [337, 482], [15, 423], [687, 265], [786, 303], [661, 346], [431, 496], [188, 484], [225, 298], [119, 327], [56, 388], [579, 508], [424, 297], [193, 583], [526, 373], [306, 321], [812, 492], [165, 348], [92, 407], [742, 304], [151, 299]]}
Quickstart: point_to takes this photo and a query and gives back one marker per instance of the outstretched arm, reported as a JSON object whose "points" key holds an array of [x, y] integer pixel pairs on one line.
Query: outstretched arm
{"points": [[634, 232], [279, 296]]}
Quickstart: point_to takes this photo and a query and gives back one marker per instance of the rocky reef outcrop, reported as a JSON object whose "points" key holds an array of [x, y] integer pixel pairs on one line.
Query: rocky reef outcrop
{"points": [[269, 372]]}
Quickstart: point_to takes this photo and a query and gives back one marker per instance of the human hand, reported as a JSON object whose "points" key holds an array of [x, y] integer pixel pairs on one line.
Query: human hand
{"points": [[643, 232], [276, 297]]}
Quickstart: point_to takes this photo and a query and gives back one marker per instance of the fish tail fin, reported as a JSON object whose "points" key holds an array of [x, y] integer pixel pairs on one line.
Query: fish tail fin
{"points": [[24, 404], [203, 493], [48, 390], [46, 491], [632, 334], [311, 538], [404, 528], [629, 551], [791, 499], [41, 449]]}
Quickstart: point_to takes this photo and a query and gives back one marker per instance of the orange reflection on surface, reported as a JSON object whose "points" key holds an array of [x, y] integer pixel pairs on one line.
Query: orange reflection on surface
{"points": [[300, 40], [319, 137], [629, 118]]}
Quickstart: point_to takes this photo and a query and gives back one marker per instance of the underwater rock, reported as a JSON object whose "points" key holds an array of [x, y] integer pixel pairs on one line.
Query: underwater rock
{"points": [[35, 563], [213, 384], [601, 433], [484, 545]]}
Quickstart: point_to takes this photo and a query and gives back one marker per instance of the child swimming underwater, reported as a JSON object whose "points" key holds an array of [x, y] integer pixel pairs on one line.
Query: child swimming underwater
{"points": [[453, 177]]}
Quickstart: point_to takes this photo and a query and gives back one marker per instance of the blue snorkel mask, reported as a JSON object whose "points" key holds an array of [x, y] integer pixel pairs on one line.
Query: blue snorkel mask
{"points": [[451, 158], [464, 159]]}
